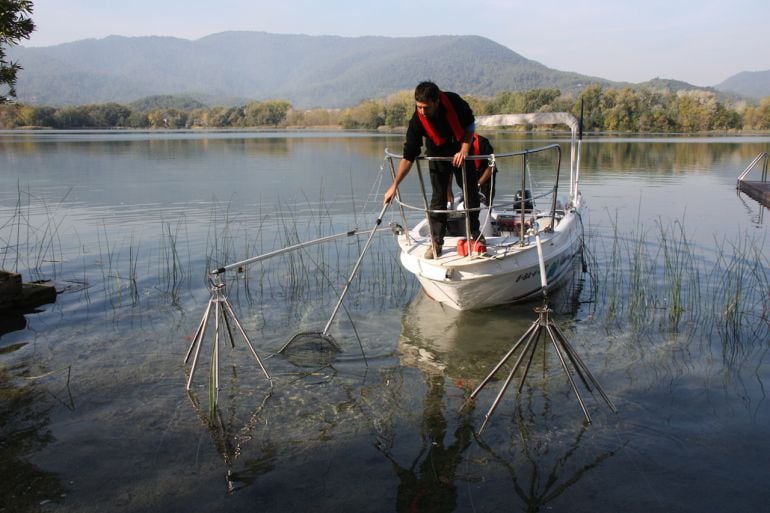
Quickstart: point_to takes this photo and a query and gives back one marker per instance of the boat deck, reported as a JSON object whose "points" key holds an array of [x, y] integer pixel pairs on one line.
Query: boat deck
{"points": [[759, 191]]}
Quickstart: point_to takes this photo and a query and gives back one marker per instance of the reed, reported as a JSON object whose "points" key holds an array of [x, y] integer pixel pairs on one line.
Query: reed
{"points": [[133, 259], [173, 272], [105, 263], [29, 238], [740, 288], [657, 283]]}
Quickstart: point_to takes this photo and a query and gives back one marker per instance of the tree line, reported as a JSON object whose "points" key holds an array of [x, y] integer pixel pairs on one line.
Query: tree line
{"points": [[605, 110]]}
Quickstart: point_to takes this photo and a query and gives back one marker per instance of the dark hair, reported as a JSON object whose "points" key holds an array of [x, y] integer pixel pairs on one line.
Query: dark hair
{"points": [[426, 91]]}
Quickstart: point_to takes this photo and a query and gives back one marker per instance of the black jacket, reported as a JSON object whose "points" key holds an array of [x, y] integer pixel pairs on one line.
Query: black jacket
{"points": [[415, 133]]}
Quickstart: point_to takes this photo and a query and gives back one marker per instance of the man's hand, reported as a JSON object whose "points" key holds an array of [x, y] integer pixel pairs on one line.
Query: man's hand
{"points": [[459, 158], [389, 194]]}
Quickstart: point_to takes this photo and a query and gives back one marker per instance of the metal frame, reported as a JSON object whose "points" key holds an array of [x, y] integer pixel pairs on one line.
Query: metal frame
{"points": [[530, 340], [224, 317]]}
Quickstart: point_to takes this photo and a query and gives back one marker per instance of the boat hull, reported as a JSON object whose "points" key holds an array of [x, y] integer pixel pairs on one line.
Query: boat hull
{"points": [[508, 272]]}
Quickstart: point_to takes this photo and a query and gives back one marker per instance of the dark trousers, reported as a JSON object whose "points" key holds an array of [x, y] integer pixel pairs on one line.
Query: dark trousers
{"points": [[488, 191], [440, 175]]}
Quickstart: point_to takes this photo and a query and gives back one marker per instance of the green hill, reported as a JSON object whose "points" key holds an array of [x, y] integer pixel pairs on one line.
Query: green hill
{"points": [[232, 68], [308, 71]]}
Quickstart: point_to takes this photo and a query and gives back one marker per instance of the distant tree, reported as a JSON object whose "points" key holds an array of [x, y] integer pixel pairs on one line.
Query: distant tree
{"points": [[15, 25], [621, 110], [72, 117], [216, 117], [30, 115], [591, 97], [758, 118], [506, 102], [167, 118], [313, 117], [368, 114], [726, 119], [109, 115], [137, 120], [695, 110], [198, 118], [536, 100], [653, 112], [399, 108], [9, 114], [235, 116], [271, 112]]}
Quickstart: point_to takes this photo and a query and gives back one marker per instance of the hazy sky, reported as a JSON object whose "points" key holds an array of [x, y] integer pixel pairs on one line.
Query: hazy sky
{"points": [[701, 42]]}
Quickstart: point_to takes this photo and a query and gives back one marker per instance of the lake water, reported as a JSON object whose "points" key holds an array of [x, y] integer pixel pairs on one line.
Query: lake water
{"points": [[671, 318]]}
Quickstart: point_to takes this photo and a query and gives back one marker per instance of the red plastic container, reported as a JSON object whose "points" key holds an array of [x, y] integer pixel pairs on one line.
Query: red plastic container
{"points": [[478, 247], [462, 247]]}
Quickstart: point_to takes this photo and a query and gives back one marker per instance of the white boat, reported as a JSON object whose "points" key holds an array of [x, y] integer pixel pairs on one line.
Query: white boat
{"points": [[506, 269]]}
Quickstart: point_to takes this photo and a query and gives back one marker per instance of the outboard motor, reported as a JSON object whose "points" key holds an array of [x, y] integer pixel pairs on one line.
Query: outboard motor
{"points": [[525, 201]]}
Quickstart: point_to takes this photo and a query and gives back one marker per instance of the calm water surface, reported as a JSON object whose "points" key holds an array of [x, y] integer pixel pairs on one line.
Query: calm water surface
{"points": [[94, 412]]}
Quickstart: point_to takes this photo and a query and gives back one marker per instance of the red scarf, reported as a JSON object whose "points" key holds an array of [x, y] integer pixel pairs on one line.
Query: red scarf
{"points": [[476, 150], [451, 117]]}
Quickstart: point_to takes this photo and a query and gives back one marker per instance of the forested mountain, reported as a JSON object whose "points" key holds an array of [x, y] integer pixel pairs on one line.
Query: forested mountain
{"points": [[229, 68], [308, 71], [754, 84]]}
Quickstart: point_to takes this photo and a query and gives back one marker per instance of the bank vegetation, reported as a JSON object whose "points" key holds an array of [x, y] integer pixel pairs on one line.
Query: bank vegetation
{"points": [[606, 110]]}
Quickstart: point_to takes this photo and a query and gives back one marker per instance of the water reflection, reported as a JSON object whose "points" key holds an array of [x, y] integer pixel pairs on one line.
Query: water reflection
{"points": [[754, 209], [231, 431], [427, 482], [24, 430], [692, 393], [461, 345], [542, 467], [454, 351]]}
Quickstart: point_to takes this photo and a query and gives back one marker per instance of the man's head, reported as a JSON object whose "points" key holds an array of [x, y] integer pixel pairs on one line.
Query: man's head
{"points": [[426, 98]]}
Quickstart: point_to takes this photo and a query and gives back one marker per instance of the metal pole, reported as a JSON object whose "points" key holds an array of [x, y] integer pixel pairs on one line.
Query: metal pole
{"points": [[425, 201], [245, 337], [199, 331], [568, 373], [398, 199], [199, 343], [355, 269], [466, 213], [522, 196], [534, 338], [505, 358], [287, 249]]}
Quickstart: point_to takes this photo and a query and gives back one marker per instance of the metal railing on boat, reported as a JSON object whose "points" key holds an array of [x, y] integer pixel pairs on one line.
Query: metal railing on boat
{"points": [[518, 204]]}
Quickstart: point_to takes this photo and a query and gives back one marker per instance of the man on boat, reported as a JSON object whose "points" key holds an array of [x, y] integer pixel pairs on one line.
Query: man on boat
{"points": [[447, 123], [484, 169]]}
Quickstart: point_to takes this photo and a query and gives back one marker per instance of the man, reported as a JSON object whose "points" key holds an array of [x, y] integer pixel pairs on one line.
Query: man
{"points": [[447, 123], [482, 146]]}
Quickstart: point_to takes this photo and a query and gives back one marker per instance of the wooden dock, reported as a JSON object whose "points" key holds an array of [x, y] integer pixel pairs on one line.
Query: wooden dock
{"points": [[15, 295], [759, 191]]}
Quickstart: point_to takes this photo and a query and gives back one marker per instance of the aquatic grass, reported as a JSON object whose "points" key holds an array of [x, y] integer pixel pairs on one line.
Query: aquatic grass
{"points": [[652, 283], [30, 237], [173, 272], [656, 284], [614, 284], [221, 237], [641, 294], [133, 254], [106, 257], [680, 274], [115, 274], [740, 286]]}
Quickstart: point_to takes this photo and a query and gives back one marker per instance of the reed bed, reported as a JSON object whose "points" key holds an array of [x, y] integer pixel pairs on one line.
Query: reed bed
{"points": [[648, 281], [30, 238], [657, 282]]}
